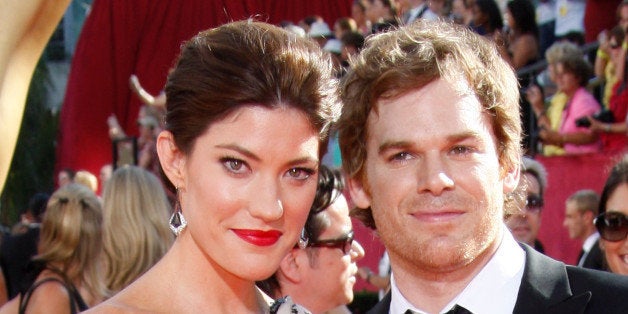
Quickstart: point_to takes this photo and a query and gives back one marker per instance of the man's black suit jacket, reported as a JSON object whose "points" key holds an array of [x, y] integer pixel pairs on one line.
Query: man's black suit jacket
{"points": [[595, 258], [549, 286]]}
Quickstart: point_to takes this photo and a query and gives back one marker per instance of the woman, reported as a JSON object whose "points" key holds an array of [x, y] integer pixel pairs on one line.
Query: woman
{"points": [[487, 18], [550, 117], [66, 272], [135, 229], [605, 66], [571, 75], [248, 113], [612, 223], [382, 14], [521, 44], [615, 135], [358, 13]]}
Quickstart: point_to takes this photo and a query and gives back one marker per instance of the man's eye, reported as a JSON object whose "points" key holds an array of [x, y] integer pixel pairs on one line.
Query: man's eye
{"points": [[461, 150], [400, 156]]}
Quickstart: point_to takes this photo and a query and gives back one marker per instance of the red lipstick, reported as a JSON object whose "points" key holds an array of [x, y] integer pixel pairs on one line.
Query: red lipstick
{"points": [[258, 237]]}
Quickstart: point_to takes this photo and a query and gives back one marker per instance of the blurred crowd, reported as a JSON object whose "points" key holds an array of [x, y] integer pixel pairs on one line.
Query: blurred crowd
{"points": [[95, 235]]}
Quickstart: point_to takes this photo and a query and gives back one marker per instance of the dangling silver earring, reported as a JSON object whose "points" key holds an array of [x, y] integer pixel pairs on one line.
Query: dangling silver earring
{"points": [[177, 221], [303, 239]]}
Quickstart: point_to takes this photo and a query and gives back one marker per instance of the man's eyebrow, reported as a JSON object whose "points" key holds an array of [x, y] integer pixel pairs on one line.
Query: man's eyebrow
{"points": [[393, 145], [405, 144]]}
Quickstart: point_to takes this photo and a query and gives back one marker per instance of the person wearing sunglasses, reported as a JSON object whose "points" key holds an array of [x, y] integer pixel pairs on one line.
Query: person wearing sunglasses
{"points": [[613, 131], [319, 273], [526, 223], [612, 223]]}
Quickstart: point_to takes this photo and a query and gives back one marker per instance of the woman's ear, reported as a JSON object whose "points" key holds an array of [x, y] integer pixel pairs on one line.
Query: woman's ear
{"points": [[172, 159]]}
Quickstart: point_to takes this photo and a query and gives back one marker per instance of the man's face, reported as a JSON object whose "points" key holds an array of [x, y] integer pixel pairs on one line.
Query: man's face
{"points": [[574, 221], [525, 225], [63, 179], [331, 273], [433, 179]]}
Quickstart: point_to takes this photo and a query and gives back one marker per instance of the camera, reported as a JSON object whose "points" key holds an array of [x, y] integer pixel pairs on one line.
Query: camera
{"points": [[605, 116]]}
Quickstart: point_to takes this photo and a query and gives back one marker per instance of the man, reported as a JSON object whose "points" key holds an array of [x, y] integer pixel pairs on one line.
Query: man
{"points": [[319, 274], [580, 210], [430, 136], [524, 225]]}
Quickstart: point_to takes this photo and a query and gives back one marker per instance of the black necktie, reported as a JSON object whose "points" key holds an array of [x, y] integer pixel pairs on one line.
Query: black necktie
{"points": [[457, 309]]}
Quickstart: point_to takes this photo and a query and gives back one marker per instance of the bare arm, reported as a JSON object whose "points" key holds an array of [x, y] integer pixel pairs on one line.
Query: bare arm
{"points": [[27, 26], [603, 56]]}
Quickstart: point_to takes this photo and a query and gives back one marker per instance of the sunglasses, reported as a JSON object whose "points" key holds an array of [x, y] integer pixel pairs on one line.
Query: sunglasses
{"points": [[613, 226], [614, 45], [343, 243], [534, 203]]}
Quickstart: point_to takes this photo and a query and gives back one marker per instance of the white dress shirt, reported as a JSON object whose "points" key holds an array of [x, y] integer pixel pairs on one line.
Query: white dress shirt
{"points": [[587, 245], [493, 290]]}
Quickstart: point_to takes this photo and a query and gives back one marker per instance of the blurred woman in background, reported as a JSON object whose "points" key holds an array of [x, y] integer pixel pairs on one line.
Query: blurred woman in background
{"points": [[67, 271], [135, 229]]}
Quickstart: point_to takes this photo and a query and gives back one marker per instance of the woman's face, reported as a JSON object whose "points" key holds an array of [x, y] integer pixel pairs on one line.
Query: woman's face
{"points": [[615, 49], [479, 18], [566, 81], [617, 252], [376, 11], [248, 184], [357, 14]]}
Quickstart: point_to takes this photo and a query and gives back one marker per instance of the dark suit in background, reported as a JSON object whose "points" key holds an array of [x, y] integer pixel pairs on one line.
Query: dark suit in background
{"points": [[15, 254], [595, 258]]}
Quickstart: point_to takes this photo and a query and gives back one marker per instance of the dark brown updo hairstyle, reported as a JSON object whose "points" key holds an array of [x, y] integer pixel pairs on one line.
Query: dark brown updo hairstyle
{"points": [[248, 63]]}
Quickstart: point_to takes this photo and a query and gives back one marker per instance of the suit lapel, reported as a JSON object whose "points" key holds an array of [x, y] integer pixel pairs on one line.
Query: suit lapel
{"points": [[382, 307], [545, 287]]}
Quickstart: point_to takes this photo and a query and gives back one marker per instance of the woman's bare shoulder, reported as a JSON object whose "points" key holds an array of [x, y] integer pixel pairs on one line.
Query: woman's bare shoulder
{"points": [[111, 306], [142, 296]]}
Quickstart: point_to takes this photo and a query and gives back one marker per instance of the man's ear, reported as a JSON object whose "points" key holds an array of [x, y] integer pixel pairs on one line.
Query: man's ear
{"points": [[290, 266], [511, 178], [172, 160], [359, 195]]}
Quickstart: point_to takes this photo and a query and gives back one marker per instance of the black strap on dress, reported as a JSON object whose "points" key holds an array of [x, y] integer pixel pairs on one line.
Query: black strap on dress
{"points": [[77, 304]]}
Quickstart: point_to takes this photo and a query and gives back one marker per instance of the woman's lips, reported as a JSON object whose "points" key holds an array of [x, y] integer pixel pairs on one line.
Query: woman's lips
{"points": [[258, 237]]}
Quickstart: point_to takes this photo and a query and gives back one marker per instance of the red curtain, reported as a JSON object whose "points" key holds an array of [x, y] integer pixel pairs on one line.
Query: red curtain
{"points": [[122, 37]]}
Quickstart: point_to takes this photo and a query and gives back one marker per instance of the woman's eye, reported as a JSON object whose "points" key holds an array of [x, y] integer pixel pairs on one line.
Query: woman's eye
{"points": [[300, 173], [234, 165]]}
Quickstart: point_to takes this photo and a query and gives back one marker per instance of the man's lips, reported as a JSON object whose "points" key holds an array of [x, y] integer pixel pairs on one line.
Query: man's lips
{"points": [[258, 237], [436, 217]]}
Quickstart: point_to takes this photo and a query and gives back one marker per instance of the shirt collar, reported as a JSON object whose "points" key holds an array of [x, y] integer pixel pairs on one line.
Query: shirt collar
{"points": [[498, 282], [590, 241]]}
